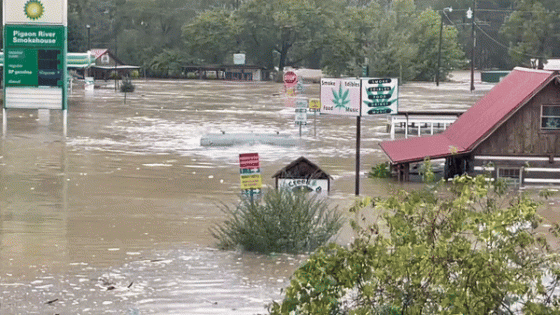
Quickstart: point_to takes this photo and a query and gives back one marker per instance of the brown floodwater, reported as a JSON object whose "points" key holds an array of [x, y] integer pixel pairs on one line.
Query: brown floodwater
{"points": [[115, 218]]}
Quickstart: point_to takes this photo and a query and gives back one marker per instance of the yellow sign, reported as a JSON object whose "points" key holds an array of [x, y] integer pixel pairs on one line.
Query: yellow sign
{"points": [[315, 104], [251, 181]]}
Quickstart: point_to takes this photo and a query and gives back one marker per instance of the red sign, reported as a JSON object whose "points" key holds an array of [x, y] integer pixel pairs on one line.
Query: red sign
{"points": [[249, 161], [290, 78]]}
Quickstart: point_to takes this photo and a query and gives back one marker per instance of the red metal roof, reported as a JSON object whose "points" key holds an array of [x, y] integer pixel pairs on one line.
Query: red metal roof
{"points": [[476, 124], [98, 52]]}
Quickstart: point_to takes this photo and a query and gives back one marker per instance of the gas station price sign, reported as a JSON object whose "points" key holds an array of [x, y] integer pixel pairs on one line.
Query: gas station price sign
{"points": [[35, 55]]}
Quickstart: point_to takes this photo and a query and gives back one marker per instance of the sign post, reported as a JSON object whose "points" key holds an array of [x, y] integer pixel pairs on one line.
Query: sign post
{"points": [[315, 106], [357, 97], [301, 112]]}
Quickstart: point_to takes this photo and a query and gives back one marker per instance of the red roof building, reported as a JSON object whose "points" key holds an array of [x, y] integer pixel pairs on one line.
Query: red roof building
{"points": [[530, 97], [106, 63]]}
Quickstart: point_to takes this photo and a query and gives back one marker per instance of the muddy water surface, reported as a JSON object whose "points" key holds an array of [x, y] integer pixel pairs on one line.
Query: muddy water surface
{"points": [[115, 218]]}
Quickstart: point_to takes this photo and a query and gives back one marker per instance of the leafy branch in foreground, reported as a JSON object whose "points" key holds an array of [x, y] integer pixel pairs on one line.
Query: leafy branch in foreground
{"points": [[284, 221], [471, 247]]}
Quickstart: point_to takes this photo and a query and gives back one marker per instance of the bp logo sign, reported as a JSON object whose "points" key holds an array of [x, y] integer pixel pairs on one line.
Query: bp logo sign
{"points": [[33, 9]]}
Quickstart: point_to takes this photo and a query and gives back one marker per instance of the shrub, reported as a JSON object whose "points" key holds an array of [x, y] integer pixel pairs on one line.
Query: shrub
{"points": [[135, 74], [114, 75], [380, 170], [468, 248], [283, 221], [126, 85]]}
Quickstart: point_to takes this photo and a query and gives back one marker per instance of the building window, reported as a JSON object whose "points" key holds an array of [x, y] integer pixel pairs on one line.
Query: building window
{"points": [[105, 58], [509, 172], [550, 117], [512, 175]]}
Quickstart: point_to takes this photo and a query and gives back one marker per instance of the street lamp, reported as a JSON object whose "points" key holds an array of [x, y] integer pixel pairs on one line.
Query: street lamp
{"points": [[88, 27], [450, 9], [88, 37]]}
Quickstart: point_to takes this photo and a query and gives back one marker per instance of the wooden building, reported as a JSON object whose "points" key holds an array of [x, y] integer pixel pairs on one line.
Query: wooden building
{"points": [[303, 174], [512, 132], [106, 63], [229, 72]]}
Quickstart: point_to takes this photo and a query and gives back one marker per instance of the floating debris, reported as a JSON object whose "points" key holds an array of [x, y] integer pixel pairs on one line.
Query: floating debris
{"points": [[231, 139]]}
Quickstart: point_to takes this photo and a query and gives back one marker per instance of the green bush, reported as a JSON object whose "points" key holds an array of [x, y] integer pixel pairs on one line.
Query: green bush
{"points": [[114, 75], [127, 86], [283, 221], [380, 170], [135, 74], [471, 247]]}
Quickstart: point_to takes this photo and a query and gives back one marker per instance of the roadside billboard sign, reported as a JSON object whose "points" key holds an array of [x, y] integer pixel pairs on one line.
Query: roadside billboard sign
{"points": [[35, 49], [341, 96], [380, 96]]}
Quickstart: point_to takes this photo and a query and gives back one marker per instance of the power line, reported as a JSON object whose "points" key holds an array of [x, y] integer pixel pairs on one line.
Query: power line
{"points": [[506, 46]]}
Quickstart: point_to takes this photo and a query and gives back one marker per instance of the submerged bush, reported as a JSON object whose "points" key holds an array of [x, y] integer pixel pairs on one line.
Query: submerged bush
{"points": [[127, 86], [283, 221], [380, 170]]}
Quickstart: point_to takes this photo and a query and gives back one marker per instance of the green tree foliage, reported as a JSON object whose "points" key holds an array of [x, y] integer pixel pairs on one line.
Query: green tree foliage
{"points": [[425, 36], [528, 31], [211, 37], [284, 221], [295, 30], [390, 50], [404, 42], [394, 37], [467, 248], [168, 63]]}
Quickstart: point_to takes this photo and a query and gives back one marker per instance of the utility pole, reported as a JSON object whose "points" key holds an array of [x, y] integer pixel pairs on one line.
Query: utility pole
{"points": [[450, 9], [471, 14]]}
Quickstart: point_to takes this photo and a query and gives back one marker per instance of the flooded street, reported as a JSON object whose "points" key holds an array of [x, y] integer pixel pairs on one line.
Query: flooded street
{"points": [[115, 218]]}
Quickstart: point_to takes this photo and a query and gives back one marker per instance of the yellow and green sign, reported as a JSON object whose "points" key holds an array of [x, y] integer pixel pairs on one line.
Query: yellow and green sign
{"points": [[250, 170]]}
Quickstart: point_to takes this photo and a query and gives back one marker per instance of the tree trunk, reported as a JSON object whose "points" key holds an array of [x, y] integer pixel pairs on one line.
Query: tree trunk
{"points": [[283, 55]]}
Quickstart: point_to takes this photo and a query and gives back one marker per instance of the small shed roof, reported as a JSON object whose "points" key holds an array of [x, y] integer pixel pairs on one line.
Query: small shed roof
{"points": [[98, 52], [476, 124], [302, 168]]}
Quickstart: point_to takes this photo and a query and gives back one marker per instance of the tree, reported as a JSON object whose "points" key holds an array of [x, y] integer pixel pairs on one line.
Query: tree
{"points": [[211, 36], [472, 248], [404, 43], [528, 30], [425, 36], [168, 63], [294, 29], [390, 49]]}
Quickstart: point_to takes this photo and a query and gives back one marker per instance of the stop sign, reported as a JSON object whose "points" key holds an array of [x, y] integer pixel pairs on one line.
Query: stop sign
{"points": [[290, 78]]}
